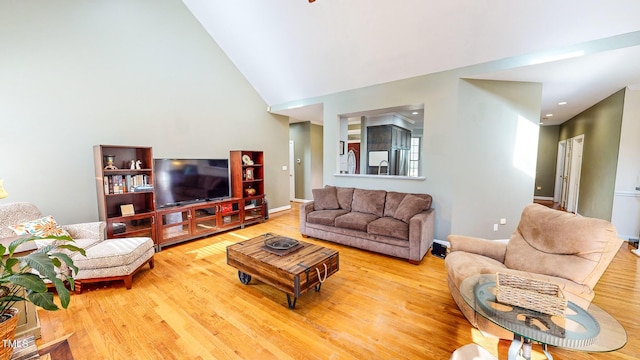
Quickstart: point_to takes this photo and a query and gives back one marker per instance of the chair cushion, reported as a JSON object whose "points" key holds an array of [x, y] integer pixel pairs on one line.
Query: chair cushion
{"points": [[15, 213], [561, 244], [388, 226], [108, 272], [113, 253]]}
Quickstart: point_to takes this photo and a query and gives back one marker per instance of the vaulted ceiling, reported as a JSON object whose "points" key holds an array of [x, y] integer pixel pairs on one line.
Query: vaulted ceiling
{"points": [[582, 51]]}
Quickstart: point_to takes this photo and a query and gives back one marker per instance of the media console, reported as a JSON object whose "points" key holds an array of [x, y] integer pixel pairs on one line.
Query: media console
{"points": [[129, 212], [180, 223]]}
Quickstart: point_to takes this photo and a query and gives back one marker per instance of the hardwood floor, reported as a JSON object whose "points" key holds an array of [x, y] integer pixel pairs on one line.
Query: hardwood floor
{"points": [[192, 306]]}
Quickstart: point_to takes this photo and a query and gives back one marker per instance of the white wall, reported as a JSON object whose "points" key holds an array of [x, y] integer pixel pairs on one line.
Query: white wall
{"points": [[79, 73], [626, 201]]}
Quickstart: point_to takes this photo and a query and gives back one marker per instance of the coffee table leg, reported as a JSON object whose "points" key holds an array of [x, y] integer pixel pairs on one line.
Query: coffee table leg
{"points": [[244, 277], [292, 305], [546, 352]]}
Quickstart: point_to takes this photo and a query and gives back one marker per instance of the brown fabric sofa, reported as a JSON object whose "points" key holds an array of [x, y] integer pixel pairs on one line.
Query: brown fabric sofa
{"points": [[551, 245], [391, 223]]}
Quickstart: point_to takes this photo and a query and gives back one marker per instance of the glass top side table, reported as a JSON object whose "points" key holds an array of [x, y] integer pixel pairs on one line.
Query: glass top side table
{"points": [[591, 330]]}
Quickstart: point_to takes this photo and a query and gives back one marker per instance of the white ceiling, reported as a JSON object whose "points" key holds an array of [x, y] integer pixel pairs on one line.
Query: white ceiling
{"points": [[292, 50]]}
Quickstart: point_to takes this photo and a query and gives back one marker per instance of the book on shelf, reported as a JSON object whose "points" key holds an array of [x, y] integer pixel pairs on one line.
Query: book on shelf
{"points": [[120, 184]]}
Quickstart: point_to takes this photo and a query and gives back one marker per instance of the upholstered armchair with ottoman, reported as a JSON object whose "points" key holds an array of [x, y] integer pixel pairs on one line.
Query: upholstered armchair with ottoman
{"points": [[105, 260], [550, 245]]}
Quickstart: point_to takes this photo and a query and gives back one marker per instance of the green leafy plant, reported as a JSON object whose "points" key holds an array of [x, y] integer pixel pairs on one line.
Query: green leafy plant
{"points": [[17, 273]]}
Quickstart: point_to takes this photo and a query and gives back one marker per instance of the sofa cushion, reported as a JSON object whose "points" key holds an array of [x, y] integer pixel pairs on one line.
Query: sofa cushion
{"points": [[368, 201], [392, 201], [345, 197], [325, 198], [325, 217], [409, 207], [388, 226], [355, 220]]}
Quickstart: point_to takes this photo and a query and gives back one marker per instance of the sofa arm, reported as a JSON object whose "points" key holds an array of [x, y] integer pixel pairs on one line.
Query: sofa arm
{"points": [[489, 248], [421, 234], [305, 209], [90, 230]]}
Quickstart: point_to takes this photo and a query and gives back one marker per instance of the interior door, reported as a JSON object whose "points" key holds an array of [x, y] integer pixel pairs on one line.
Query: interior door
{"points": [[577, 144], [292, 178], [559, 183]]}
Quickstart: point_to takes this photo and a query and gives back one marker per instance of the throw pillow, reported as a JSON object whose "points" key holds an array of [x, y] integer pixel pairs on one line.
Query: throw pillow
{"points": [[43, 227], [325, 198], [410, 206]]}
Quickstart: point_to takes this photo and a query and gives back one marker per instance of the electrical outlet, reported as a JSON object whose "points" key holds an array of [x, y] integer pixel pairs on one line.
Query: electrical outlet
{"points": [[503, 221]]}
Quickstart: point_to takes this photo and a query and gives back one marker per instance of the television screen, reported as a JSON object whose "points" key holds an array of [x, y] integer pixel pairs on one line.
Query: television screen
{"points": [[180, 181]]}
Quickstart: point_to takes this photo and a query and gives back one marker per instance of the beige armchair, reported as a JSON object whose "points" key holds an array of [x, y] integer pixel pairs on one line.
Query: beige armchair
{"points": [[105, 260], [567, 249]]}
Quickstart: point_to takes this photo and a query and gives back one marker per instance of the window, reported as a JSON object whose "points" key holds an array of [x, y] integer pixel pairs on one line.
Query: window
{"points": [[414, 157]]}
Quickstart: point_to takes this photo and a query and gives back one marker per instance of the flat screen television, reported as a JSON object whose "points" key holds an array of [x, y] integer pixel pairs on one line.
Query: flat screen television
{"points": [[183, 181]]}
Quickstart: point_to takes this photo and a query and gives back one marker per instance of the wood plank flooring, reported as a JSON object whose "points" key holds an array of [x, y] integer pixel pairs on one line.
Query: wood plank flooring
{"points": [[192, 306]]}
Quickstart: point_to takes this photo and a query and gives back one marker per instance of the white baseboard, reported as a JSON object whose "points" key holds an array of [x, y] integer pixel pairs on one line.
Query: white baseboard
{"points": [[282, 208], [543, 198], [300, 200]]}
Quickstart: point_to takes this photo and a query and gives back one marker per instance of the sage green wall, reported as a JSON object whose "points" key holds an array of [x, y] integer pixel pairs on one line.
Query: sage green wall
{"points": [[495, 157], [469, 142], [317, 148], [300, 133], [547, 160], [601, 126], [78, 73], [308, 147]]}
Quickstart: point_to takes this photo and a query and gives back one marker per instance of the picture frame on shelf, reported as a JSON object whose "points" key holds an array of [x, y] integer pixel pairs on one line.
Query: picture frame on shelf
{"points": [[127, 210], [249, 173]]}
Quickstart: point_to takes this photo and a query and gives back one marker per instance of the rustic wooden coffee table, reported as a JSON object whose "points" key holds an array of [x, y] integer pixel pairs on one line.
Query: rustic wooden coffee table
{"points": [[293, 271]]}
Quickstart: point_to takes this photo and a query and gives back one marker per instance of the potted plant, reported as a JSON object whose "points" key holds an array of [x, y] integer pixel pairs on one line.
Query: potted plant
{"points": [[25, 278]]}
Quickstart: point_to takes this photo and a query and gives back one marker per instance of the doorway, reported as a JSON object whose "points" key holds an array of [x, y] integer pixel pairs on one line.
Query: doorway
{"points": [[292, 176], [571, 165], [560, 183]]}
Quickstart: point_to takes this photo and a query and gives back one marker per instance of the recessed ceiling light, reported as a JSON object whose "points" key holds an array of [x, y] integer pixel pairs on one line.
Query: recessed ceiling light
{"points": [[415, 113], [549, 115], [562, 103]]}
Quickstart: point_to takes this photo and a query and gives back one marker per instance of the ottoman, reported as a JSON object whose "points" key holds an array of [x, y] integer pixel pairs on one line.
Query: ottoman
{"points": [[113, 259]]}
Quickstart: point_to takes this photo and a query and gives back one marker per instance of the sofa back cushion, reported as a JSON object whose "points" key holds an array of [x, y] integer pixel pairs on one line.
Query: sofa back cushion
{"points": [[368, 201], [410, 206], [345, 197], [562, 244], [392, 201], [325, 198]]}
